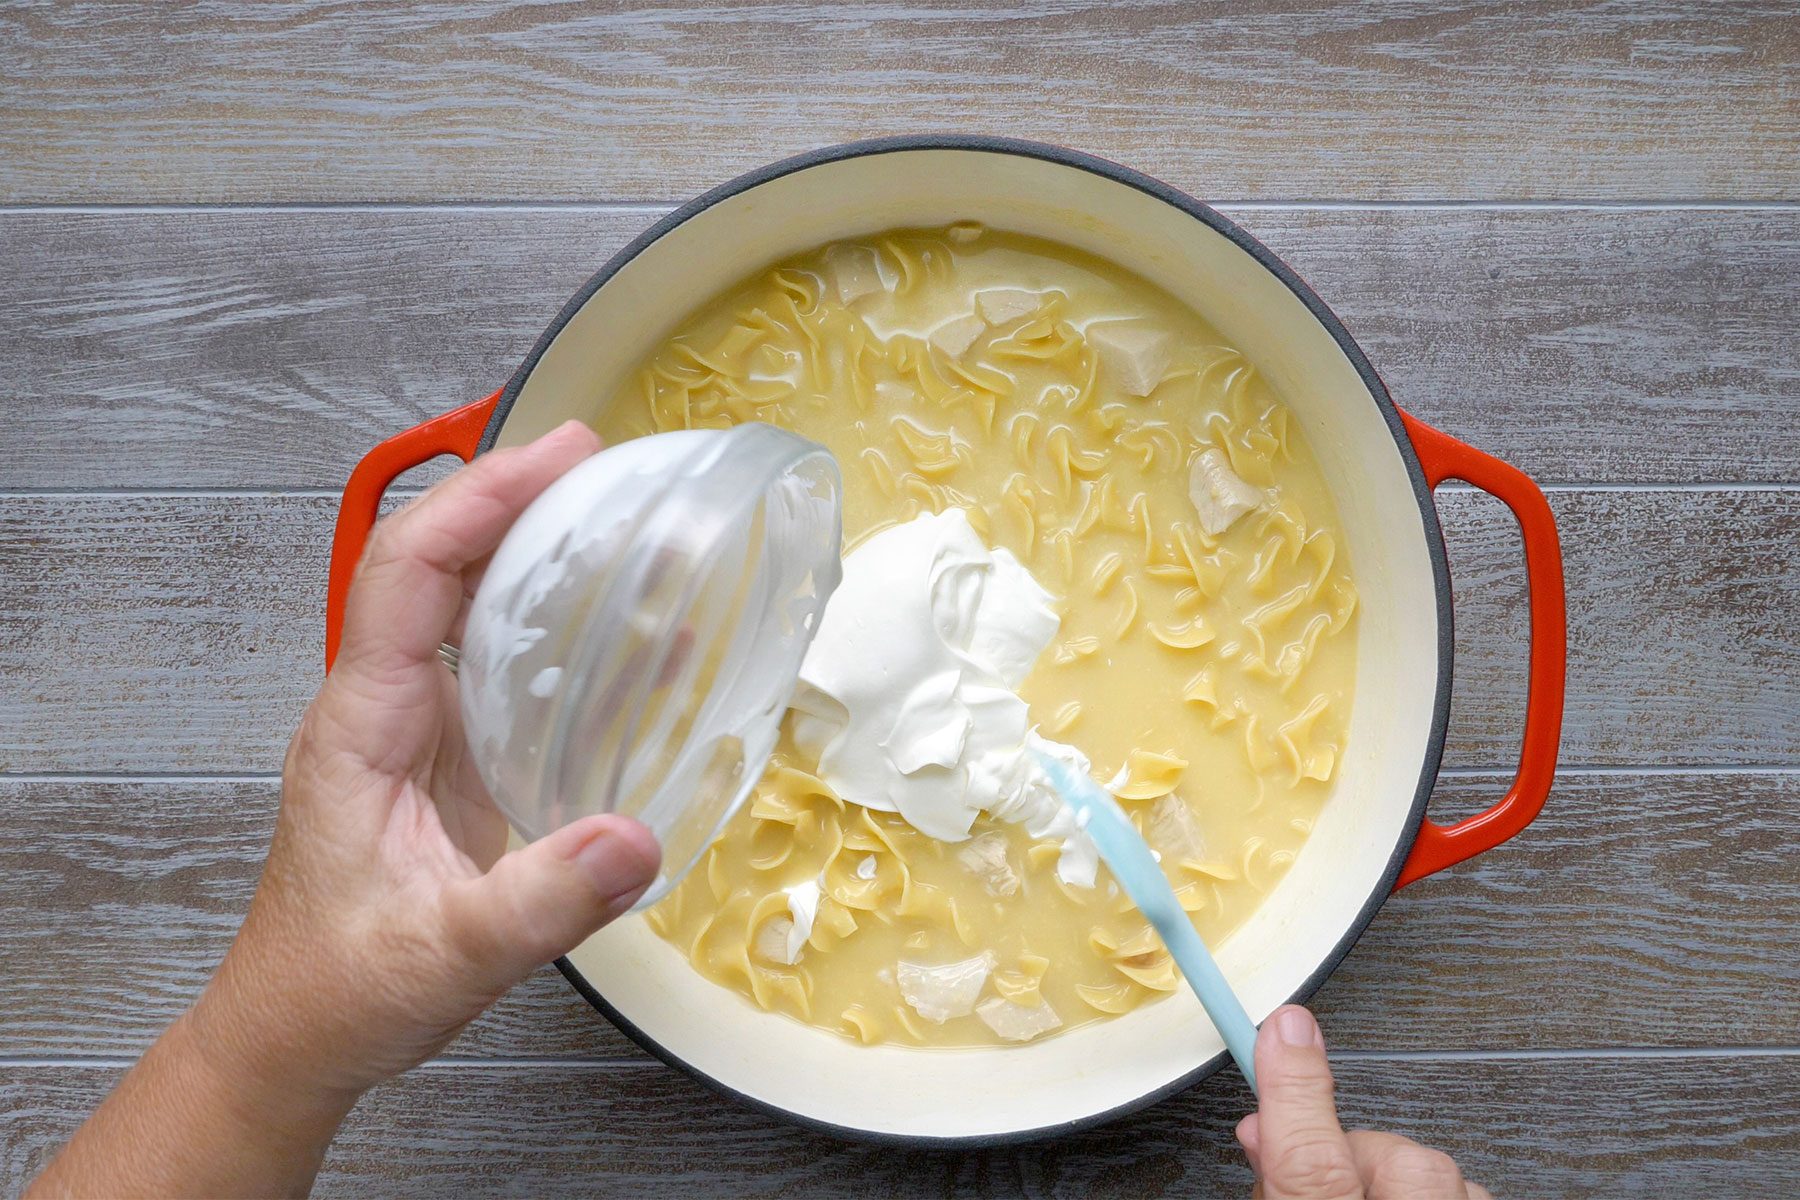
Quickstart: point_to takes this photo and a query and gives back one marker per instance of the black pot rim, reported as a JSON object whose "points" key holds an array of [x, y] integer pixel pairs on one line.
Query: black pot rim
{"points": [[1384, 404]]}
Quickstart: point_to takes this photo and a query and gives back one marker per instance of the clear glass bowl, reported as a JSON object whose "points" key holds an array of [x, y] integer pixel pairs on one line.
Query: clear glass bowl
{"points": [[636, 638]]}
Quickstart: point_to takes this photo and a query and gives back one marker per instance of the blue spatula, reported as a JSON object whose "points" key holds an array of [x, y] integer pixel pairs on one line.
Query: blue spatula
{"points": [[1137, 872]]}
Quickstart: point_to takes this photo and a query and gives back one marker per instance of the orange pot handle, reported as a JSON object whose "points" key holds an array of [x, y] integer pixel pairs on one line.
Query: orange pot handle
{"points": [[456, 432], [1440, 846]]}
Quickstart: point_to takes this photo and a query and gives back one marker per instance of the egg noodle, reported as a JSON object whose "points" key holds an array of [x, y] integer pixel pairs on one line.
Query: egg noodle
{"points": [[1207, 675]]}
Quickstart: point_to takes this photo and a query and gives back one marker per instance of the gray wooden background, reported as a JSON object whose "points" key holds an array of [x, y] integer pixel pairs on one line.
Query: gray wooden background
{"points": [[240, 243]]}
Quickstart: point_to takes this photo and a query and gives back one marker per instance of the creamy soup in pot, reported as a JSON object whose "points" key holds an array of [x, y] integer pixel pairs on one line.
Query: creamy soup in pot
{"points": [[1078, 522]]}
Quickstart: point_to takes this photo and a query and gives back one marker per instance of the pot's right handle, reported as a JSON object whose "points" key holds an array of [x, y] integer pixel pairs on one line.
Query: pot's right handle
{"points": [[1441, 846], [456, 432]]}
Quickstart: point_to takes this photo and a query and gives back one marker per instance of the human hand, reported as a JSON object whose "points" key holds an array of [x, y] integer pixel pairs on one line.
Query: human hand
{"points": [[1300, 1152], [388, 915]]}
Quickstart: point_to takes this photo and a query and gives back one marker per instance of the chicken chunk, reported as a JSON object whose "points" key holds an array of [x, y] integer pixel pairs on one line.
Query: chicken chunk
{"points": [[940, 992], [1002, 306], [1018, 1022], [956, 336], [892, 391], [1219, 496], [1132, 354], [985, 858], [852, 272], [1175, 831]]}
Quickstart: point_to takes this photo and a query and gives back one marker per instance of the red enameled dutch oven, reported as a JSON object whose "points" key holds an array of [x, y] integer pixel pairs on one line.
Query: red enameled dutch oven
{"points": [[1381, 464]]}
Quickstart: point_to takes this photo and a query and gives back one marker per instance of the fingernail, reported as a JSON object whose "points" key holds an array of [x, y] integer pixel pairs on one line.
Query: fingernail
{"points": [[1296, 1027], [617, 867]]}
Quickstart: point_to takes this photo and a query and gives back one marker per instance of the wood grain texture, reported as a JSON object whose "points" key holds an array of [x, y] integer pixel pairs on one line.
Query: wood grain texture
{"points": [[1698, 1126], [182, 633], [272, 349], [1550, 1014], [122, 896], [1401, 98]]}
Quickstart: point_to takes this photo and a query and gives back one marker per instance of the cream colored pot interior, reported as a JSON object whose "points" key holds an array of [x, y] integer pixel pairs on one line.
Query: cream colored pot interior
{"points": [[1114, 1063]]}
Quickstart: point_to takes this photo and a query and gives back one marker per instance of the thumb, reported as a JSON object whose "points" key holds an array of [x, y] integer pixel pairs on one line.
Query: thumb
{"points": [[543, 900], [1301, 1149]]}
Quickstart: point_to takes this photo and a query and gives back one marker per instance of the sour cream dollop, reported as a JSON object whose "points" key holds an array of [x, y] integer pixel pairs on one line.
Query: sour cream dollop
{"points": [[908, 696]]}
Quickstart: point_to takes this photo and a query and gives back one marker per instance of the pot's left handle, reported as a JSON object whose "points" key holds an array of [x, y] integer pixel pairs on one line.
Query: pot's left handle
{"points": [[456, 432], [1439, 846]]}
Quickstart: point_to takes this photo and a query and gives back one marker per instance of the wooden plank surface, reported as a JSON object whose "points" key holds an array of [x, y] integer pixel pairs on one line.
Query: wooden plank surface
{"points": [[1397, 98], [1699, 1126], [212, 307], [232, 348], [182, 633], [111, 931]]}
